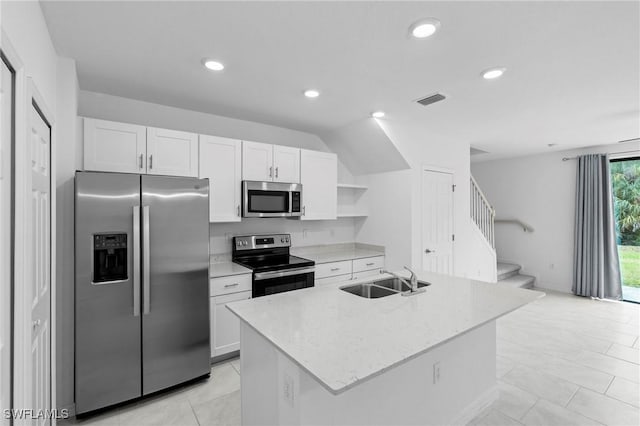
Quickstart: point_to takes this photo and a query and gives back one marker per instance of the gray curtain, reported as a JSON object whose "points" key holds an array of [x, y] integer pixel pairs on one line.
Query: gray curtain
{"points": [[596, 269]]}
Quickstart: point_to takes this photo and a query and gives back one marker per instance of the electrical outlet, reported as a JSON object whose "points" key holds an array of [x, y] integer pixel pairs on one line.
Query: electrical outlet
{"points": [[287, 388], [304, 234], [436, 373], [228, 236]]}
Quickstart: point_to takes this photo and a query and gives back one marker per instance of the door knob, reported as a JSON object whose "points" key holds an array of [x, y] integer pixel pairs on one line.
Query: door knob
{"points": [[429, 251], [36, 324]]}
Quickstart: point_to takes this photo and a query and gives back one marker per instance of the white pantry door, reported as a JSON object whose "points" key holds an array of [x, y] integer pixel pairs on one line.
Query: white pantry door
{"points": [[437, 222], [6, 207], [39, 259]]}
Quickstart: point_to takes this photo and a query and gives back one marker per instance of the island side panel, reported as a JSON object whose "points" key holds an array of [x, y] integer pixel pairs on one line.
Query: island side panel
{"points": [[280, 392], [407, 394], [258, 379]]}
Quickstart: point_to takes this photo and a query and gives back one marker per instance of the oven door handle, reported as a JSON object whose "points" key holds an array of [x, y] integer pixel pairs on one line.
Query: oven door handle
{"points": [[286, 273]]}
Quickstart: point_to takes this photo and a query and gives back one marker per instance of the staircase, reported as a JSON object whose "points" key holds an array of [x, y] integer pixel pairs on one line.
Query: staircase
{"points": [[509, 275]]}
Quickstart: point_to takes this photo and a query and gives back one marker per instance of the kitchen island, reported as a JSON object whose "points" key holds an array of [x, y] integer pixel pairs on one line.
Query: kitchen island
{"points": [[325, 356]]}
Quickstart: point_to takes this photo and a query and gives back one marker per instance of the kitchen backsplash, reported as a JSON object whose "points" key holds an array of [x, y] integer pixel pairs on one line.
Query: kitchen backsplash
{"points": [[303, 233]]}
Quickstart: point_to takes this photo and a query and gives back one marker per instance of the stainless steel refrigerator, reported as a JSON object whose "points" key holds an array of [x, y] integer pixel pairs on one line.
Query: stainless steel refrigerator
{"points": [[141, 285]]}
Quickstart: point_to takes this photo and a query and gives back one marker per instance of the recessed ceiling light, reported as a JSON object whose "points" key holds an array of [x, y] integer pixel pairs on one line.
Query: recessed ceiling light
{"points": [[311, 93], [424, 28], [377, 114], [493, 73], [212, 65]]}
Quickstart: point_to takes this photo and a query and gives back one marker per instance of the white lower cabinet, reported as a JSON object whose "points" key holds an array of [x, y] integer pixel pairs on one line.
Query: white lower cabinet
{"points": [[332, 280], [364, 274], [331, 269], [345, 270], [225, 326]]}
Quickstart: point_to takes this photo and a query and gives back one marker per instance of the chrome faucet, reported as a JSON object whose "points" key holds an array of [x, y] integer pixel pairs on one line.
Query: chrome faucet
{"points": [[412, 284]]}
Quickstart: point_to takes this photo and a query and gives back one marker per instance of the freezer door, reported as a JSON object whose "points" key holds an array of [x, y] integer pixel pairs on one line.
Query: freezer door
{"points": [[107, 304], [175, 291]]}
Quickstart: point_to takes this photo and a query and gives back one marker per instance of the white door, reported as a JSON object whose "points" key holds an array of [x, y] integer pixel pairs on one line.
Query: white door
{"points": [[437, 222], [172, 153], [225, 326], [6, 128], [286, 164], [257, 161], [114, 147], [221, 162], [319, 178], [39, 259]]}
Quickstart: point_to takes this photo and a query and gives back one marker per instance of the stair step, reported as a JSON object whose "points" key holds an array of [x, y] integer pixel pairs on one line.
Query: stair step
{"points": [[506, 270], [518, 281]]}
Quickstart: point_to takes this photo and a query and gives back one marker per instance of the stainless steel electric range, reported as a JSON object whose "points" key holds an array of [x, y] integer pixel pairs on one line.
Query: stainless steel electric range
{"points": [[275, 270]]}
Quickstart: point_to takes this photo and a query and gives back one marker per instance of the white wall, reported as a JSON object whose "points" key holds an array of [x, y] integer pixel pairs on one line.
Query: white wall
{"points": [[423, 151], [55, 78], [389, 222], [24, 24], [67, 162], [539, 190]]}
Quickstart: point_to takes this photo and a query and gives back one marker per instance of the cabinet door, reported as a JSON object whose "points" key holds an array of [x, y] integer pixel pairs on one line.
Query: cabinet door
{"points": [[173, 153], [286, 164], [225, 326], [319, 178], [368, 263], [114, 147], [221, 162], [332, 280], [257, 161], [365, 274]]}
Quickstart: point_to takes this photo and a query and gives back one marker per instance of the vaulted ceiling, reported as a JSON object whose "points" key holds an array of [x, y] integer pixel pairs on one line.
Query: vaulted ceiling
{"points": [[572, 79]]}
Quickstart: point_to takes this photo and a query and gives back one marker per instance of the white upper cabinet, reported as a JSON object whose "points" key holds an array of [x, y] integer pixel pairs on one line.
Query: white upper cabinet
{"points": [[286, 164], [221, 162], [170, 152], [257, 161], [270, 163], [319, 178], [114, 147]]}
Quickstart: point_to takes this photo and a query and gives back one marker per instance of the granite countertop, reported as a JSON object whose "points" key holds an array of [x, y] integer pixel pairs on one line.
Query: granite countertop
{"points": [[342, 339], [337, 252], [226, 268]]}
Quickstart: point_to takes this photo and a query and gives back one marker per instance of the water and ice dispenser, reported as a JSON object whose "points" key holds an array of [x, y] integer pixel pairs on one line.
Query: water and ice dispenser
{"points": [[109, 258]]}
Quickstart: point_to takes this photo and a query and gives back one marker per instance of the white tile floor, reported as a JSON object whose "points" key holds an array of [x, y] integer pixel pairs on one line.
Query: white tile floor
{"points": [[563, 360]]}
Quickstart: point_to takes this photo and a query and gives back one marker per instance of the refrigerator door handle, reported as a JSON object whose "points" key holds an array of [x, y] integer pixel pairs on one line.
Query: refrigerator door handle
{"points": [[136, 261], [146, 302]]}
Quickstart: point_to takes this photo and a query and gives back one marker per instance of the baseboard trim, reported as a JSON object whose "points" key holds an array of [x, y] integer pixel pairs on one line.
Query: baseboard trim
{"points": [[480, 404]]}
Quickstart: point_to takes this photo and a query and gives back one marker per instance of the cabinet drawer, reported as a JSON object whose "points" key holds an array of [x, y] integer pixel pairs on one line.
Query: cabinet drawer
{"points": [[230, 284], [332, 280], [365, 274], [368, 263], [324, 270]]}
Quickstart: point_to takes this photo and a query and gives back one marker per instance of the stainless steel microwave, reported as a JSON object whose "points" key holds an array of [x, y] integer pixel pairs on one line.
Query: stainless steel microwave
{"points": [[271, 199]]}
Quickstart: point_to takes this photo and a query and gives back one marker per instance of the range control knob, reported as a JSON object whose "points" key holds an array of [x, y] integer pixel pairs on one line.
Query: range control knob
{"points": [[282, 240]]}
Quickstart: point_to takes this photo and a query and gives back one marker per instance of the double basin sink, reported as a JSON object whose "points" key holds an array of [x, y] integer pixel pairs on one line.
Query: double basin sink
{"points": [[380, 288]]}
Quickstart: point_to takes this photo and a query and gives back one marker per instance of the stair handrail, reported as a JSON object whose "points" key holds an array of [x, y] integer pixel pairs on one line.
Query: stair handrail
{"points": [[482, 212], [525, 226]]}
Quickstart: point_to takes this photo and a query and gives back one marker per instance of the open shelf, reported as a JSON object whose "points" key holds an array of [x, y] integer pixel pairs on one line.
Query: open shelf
{"points": [[352, 186]]}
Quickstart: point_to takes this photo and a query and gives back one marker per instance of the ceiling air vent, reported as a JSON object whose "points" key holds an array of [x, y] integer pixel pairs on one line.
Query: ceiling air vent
{"points": [[436, 97]]}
